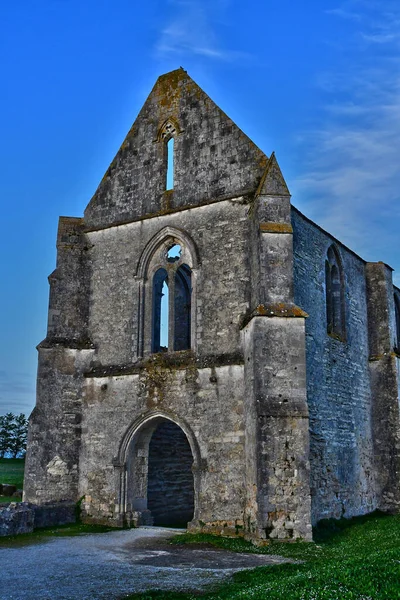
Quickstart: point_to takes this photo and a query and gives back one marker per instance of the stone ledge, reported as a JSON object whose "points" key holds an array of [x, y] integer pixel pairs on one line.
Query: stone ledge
{"points": [[276, 228], [72, 344], [278, 309], [169, 360]]}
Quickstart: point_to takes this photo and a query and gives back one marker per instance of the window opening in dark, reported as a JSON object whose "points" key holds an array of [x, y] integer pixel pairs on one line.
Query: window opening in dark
{"points": [[397, 315], [160, 311], [182, 308], [328, 284], [335, 293], [334, 290], [170, 164], [170, 488]]}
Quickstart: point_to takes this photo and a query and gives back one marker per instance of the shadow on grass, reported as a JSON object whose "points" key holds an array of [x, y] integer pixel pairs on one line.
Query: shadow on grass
{"points": [[329, 531]]}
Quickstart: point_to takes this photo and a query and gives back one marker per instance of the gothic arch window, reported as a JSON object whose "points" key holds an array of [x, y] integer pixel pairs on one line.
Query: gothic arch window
{"points": [[397, 319], [167, 276], [171, 326], [166, 136], [334, 289]]}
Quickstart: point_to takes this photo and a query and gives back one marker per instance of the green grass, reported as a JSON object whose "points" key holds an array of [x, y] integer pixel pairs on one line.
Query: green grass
{"points": [[357, 559], [12, 471], [42, 535]]}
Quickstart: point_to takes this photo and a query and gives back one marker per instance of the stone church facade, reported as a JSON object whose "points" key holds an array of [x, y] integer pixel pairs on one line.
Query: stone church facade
{"points": [[213, 357]]}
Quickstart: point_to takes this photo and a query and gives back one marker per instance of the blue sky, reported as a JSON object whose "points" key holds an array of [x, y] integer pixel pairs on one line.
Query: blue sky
{"points": [[317, 81]]}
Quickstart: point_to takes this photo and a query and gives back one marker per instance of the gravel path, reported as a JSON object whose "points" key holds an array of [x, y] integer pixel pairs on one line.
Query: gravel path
{"points": [[110, 565]]}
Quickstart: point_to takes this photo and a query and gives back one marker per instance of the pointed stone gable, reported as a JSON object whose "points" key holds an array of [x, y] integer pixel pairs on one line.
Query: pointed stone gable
{"points": [[272, 182], [213, 158]]}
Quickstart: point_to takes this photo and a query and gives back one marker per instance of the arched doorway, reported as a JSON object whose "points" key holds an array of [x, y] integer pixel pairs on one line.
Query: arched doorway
{"points": [[170, 489], [159, 486]]}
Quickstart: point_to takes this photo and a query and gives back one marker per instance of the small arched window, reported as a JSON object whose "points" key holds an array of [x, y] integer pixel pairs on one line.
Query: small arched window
{"points": [[170, 164], [397, 319], [334, 289], [167, 136]]}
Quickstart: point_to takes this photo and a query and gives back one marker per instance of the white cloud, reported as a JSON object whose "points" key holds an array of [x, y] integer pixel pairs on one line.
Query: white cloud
{"points": [[352, 153], [344, 14], [192, 30]]}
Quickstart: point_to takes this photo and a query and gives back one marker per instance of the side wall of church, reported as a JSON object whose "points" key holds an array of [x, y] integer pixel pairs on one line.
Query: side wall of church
{"points": [[338, 379]]}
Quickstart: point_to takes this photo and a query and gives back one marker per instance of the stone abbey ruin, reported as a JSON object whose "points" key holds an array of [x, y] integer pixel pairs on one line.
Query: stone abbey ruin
{"points": [[213, 357]]}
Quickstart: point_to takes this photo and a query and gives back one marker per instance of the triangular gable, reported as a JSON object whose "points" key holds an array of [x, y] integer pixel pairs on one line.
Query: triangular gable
{"points": [[272, 182], [213, 159]]}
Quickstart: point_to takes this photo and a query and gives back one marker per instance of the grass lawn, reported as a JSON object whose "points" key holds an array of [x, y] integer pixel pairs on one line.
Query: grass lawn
{"points": [[357, 559], [12, 472]]}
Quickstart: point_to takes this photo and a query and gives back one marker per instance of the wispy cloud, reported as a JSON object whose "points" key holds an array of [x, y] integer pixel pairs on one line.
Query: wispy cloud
{"points": [[379, 22], [192, 30], [17, 392], [352, 157], [344, 14]]}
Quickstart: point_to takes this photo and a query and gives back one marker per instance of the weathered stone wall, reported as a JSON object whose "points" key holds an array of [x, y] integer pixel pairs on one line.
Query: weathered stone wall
{"points": [[220, 234], [23, 517], [207, 402], [384, 384], [338, 380], [52, 459], [69, 287], [213, 157], [16, 518]]}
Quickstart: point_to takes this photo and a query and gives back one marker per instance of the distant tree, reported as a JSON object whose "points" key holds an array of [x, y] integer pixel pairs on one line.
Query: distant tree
{"points": [[13, 432], [19, 434], [6, 428]]}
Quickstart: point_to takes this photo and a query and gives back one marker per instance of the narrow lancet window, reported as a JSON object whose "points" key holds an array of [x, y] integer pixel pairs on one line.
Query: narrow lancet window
{"points": [[182, 308], [164, 321], [334, 290], [170, 164], [397, 316], [160, 311]]}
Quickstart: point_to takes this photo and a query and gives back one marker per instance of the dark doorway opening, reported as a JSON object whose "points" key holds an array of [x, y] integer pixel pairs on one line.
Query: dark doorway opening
{"points": [[170, 488]]}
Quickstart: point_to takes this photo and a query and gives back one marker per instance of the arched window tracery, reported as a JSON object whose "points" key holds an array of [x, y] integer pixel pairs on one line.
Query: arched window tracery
{"points": [[167, 270]]}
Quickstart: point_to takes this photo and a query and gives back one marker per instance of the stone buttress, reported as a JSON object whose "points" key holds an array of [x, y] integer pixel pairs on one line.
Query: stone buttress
{"points": [[384, 374], [52, 461], [277, 439]]}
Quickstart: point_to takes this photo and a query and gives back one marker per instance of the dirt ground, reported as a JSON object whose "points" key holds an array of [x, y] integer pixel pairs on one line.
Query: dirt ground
{"points": [[111, 565]]}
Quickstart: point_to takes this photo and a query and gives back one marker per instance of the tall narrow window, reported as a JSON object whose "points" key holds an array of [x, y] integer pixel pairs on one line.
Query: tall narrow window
{"points": [[334, 290], [397, 315], [170, 164], [182, 308], [160, 311], [164, 322]]}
